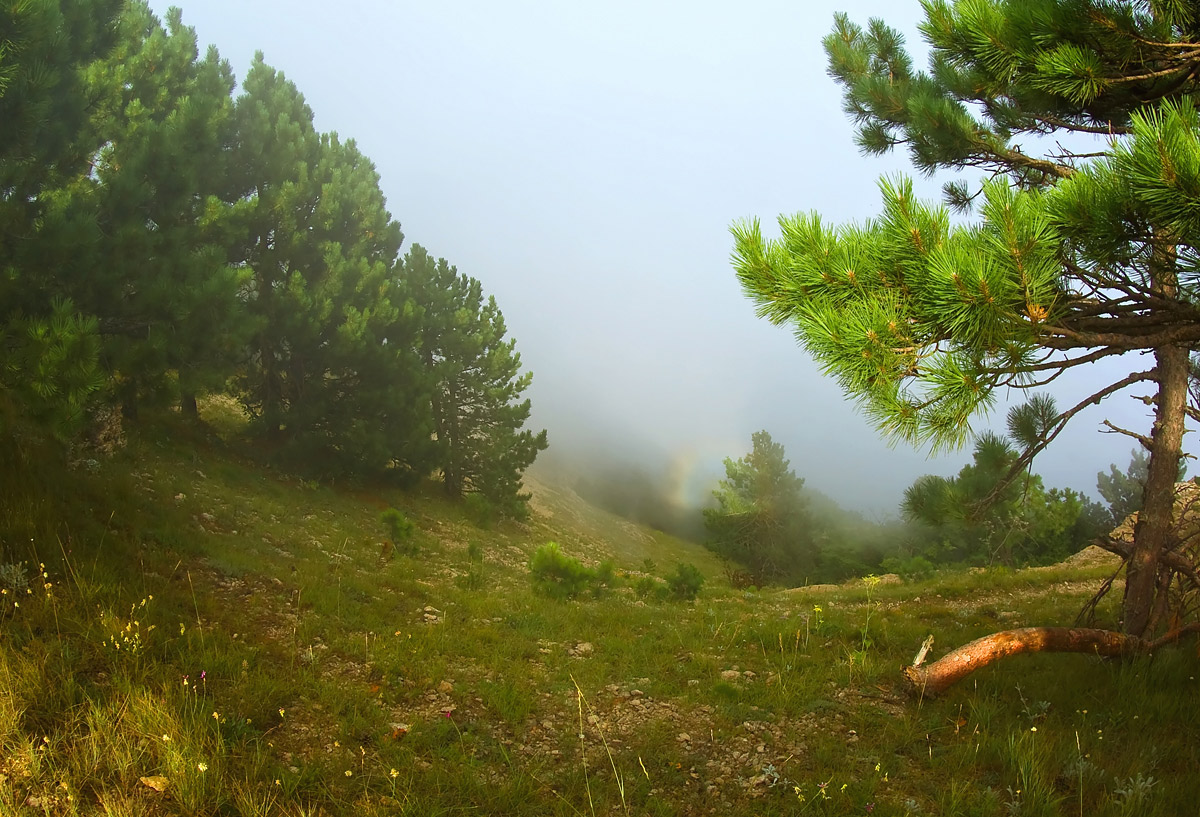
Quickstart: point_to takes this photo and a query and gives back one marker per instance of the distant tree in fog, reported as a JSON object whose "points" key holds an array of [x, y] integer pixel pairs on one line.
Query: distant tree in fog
{"points": [[761, 520]]}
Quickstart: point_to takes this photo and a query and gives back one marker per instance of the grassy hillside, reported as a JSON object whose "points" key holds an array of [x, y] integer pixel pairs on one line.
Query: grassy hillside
{"points": [[208, 636]]}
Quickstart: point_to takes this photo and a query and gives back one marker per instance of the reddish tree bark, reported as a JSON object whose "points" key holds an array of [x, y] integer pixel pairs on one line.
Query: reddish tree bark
{"points": [[934, 678], [1152, 533], [958, 664]]}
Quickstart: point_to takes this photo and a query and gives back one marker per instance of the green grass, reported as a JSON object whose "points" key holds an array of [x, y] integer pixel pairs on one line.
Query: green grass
{"points": [[243, 641]]}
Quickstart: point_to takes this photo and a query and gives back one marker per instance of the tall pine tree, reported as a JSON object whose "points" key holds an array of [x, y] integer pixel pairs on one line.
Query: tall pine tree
{"points": [[48, 352], [162, 282], [478, 413], [333, 376], [1084, 247]]}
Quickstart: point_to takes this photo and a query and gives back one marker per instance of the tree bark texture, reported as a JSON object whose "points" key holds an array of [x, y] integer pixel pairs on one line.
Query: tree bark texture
{"points": [[1152, 534], [937, 677]]}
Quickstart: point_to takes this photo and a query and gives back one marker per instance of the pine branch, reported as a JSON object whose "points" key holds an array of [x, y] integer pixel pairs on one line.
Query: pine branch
{"points": [[1146, 442], [1055, 428]]}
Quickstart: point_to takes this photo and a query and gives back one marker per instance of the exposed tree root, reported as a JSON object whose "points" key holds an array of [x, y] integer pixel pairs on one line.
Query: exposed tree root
{"points": [[939, 676]]}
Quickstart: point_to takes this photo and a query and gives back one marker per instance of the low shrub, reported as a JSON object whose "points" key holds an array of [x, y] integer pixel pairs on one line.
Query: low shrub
{"points": [[480, 510], [647, 586], [558, 575], [685, 582], [910, 568], [400, 530], [604, 578]]}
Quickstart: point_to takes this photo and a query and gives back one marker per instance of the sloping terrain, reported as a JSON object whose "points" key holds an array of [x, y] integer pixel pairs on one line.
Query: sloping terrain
{"points": [[212, 637]]}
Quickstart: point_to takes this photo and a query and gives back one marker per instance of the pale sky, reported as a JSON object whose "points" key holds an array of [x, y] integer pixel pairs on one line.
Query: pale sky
{"points": [[584, 160]]}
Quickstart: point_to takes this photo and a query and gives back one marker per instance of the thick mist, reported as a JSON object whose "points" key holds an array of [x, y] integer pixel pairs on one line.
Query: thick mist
{"points": [[585, 163]]}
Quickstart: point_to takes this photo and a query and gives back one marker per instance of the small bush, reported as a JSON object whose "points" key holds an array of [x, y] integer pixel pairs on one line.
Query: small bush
{"points": [[685, 582], [480, 510], [557, 575], [646, 586], [473, 578], [474, 551], [604, 578], [910, 568], [400, 530]]}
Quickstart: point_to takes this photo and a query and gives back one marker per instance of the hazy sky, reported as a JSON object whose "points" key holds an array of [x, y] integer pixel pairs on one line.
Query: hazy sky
{"points": [[585, 160]]}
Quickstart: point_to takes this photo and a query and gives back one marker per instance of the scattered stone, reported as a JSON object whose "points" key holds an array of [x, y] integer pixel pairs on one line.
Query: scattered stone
{"points": [[731, 675]]}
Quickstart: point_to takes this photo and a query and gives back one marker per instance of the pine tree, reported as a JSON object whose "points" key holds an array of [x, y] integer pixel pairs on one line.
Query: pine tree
{"points": [[276, 148], [1083, 246], [1123, 490], [980, 517], [48, 352], [761, 521], [478, 412], [162, 281], [335, 377]]}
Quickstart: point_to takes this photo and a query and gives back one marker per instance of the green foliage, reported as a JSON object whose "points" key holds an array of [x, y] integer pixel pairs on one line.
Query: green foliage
{"points": [[52, 365], [648, 587], [985, 515], [558, 575], [473, 578], [1080, 249], [163, 240], [480, 510], [920, 320], [761, 520], [909, 568], [1123, 490], [161, 280], [400, 530], [477, 385], [475, 551], [604, 578], [685, 582], [336, 376], [49, 355]]}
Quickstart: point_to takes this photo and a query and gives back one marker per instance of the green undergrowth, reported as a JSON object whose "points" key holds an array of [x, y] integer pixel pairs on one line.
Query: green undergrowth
{"points": [[191, 633]]}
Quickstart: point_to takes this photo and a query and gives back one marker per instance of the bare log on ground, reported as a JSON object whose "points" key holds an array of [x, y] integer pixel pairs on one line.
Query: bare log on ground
{"points": [[939, 676]]}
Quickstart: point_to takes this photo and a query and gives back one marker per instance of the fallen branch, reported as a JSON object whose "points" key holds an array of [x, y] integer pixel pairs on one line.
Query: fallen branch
{"points": [[956, 665]]}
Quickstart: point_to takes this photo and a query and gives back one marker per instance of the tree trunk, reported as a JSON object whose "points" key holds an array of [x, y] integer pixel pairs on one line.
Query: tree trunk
{"points": [[952, 668], [1152, 533], [187, 405], [935, 678]]}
